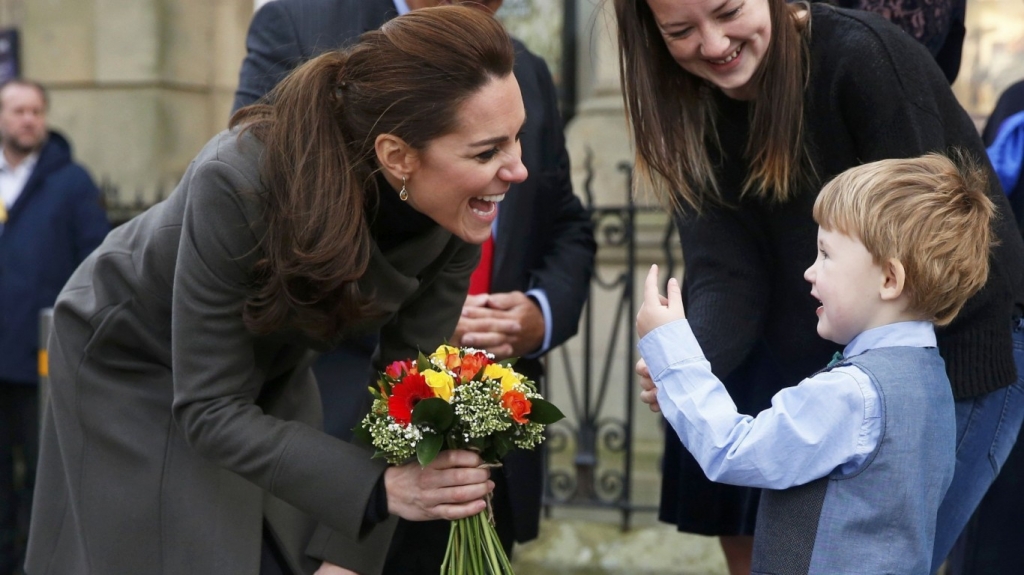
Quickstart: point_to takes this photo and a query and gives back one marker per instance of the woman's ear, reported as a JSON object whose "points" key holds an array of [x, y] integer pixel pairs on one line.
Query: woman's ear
{"points": [[893, 279], [397, 158]]}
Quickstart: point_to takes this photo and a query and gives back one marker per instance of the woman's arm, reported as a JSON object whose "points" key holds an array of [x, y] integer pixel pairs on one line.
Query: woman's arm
{"points": [[727, 282]]}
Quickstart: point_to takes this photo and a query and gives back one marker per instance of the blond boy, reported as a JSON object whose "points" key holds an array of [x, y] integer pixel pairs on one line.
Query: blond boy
{"points": [[856, 458]]}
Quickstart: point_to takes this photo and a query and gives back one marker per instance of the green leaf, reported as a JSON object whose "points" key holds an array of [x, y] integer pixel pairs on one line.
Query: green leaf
{"points": [[423, 363], [360, 433], [435, 412], [544, 412], [375, 392], [428, 448], [502, 444], [386, 385]]}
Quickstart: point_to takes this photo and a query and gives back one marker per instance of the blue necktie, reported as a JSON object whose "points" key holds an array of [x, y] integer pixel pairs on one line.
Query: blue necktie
{"points": [[835, 359]]}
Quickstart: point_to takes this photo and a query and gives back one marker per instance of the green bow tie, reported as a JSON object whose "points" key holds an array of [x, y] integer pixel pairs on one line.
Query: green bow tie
{"points": [[835, 359]]}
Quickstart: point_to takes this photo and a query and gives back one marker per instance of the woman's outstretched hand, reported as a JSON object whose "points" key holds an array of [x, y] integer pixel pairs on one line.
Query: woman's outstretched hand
{"points": [[656, 310], [451, 487]]}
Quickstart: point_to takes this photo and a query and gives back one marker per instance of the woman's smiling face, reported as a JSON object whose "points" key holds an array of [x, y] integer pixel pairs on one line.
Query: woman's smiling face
{"points": [[458, 179], [721, 41]]}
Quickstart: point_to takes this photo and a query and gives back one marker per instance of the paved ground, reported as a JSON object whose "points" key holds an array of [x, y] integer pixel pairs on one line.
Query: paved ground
{"points": [[577, 542]]}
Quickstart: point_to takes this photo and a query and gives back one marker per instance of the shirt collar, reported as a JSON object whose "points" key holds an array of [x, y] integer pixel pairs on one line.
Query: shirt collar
{"points": [[899, 334], [27, 164], [401, 7]]}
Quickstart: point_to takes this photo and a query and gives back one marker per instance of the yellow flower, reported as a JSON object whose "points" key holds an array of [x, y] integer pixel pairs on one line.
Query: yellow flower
{"points": [[440, 382], [447, 356], [506, 376]]}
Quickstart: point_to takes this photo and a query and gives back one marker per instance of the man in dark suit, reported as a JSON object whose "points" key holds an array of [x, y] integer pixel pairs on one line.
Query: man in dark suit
{"points": [[540, 270]]}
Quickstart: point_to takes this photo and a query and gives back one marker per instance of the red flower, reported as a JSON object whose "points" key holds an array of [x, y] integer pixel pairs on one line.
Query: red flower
{"points": [[405, 395], [472, 364], [398, 368], [517, 405]]}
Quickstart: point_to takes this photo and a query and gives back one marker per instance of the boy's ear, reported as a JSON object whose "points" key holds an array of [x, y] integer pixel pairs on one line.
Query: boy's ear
{"points": [[395, 156], [893, 279]]}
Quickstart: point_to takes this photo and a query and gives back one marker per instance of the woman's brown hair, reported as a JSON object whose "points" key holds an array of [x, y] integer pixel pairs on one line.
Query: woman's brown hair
{"points": [[319, 127], [672, 114]]}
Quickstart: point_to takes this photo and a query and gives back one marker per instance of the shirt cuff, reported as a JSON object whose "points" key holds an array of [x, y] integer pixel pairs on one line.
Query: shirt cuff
{"points": [[541, 297], [668, 345]]}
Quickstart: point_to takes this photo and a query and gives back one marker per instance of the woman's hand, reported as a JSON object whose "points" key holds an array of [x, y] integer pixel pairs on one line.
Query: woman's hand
{"points": [[649, 395], [451, 487], [656, 310], [331, 569]]}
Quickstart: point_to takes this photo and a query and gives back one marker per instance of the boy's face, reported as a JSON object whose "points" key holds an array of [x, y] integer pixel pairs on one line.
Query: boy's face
{"points": [[847, 282]]}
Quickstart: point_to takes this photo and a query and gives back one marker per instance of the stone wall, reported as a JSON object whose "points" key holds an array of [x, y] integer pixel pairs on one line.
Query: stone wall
{"points": [[137, 85]]}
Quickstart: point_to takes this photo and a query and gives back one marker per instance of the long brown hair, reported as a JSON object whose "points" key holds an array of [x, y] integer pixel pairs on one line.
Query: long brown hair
{"points": [[672, 115], [319, 129]]}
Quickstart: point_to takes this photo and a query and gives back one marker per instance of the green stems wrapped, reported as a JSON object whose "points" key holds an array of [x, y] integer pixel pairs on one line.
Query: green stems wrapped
{"points": [[474, 547]]}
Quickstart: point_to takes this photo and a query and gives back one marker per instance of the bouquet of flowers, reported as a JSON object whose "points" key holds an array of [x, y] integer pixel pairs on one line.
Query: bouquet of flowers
{"points": [[458, 398]]}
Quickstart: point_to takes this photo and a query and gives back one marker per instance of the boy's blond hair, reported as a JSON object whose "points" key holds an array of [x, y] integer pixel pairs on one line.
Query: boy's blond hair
{"points": [[930, 213]]}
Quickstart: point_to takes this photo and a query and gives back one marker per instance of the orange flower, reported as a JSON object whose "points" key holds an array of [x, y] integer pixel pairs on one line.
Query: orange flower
{"points": [[517, 405], [471, 365]]}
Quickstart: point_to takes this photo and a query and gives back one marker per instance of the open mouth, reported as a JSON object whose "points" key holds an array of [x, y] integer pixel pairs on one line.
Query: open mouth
{"points": [[485, 205], [728, 58]]}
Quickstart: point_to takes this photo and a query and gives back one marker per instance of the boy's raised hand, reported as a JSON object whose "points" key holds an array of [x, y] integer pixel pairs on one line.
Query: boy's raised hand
{"points": [[656, 310]]}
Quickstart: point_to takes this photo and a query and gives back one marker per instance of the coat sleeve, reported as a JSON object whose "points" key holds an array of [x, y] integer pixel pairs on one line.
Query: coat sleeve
{"points": [[727, 283], [568, 262], [216, 376], [272, 51]]}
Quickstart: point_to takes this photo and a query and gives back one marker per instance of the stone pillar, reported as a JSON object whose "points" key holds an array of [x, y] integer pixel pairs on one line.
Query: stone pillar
{"points": [[138, 86]]}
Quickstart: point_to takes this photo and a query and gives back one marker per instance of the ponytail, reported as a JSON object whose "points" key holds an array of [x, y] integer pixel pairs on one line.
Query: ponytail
{"points": [[319, 127], [317, 243]]}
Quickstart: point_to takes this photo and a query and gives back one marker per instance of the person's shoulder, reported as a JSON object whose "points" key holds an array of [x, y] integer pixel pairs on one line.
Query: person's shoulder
{"points": [[331, 13], [852, 32], [865, 52], [237, 148], [299, 6], [528, 60]]}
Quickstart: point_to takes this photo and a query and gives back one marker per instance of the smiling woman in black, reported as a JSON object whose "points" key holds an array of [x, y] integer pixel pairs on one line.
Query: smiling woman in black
{"points": [[739, 124]]}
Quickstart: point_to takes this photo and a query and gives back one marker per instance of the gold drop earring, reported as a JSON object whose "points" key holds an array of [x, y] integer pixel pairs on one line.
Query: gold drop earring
{"points": [[403, 194]]}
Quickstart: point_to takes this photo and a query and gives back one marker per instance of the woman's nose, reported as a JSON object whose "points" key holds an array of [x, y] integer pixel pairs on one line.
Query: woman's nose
{"points": [[714, 44], [514, 171]]}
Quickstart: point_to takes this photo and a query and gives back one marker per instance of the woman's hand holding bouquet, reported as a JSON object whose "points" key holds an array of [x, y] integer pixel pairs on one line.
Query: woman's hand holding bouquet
{"points": [[456, 399]]}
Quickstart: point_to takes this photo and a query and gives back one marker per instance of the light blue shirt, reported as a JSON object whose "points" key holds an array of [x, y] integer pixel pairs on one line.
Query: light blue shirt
{"points": [[401, 7], [830, 421]]}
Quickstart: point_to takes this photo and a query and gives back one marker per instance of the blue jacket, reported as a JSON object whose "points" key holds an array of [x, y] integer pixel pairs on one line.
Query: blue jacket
{"points": [[52, 226]]}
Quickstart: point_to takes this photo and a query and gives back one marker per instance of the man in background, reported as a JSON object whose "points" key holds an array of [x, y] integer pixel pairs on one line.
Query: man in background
{"points": [[534, 278], [51, 218]]}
